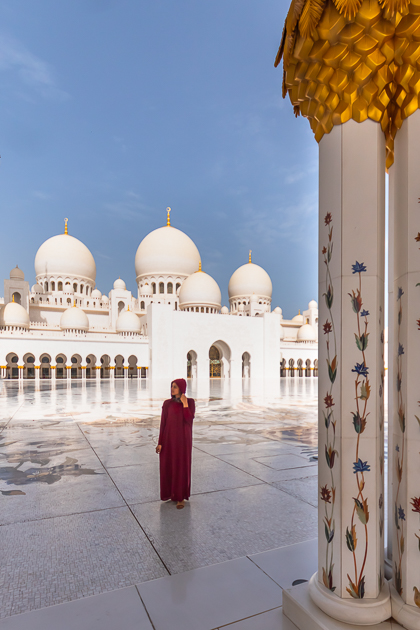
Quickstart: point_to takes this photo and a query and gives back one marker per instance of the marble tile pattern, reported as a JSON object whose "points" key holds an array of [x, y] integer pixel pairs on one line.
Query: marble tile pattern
{"points": [[79, 486]]}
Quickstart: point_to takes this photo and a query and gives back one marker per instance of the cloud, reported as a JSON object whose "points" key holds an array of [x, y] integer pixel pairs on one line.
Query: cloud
{"points": [[128, 208], [294, 223], [31, 70], [41, 195]]}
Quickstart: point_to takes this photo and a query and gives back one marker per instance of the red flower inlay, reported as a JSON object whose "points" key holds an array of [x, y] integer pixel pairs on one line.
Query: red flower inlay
{"points": [[418, 324], [327, 327], [328, 218], [324, 250], [328, 400], [415, 502], [325, 494]]}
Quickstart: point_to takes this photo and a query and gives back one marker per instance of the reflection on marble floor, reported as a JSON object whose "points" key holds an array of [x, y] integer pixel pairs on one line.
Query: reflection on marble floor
{"points": [[79, 487]]}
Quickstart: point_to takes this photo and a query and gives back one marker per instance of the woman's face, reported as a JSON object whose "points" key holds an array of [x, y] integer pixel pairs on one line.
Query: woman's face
{"points": [[175, 390]]}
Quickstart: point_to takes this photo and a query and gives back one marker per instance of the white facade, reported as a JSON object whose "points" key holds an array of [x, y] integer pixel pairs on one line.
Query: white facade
{"points": [[64, 327]]}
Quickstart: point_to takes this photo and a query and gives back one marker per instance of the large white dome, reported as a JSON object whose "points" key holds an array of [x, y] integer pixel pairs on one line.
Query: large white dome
{"points": [[74, 318], [128, 322], [306, 333], [200, 289], [249, 279], [64, 255], [166, 251], [14, 315]]}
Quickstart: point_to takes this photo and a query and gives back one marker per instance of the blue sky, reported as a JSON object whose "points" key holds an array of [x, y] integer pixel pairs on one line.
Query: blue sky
{"points": [[112, 110]]}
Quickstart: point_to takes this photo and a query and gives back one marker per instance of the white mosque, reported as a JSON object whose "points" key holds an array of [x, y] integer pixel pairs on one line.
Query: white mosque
{"points": [[65, 328]]}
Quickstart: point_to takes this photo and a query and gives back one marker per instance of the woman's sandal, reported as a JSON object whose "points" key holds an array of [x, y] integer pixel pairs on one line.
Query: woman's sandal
{"points": [[180, 505]]}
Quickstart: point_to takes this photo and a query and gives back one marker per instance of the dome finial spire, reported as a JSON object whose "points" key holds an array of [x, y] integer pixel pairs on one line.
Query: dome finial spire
{"points": [[199, 266], [13, 297], [74, 304], [168, 214], [65, 226], [250, 252]]}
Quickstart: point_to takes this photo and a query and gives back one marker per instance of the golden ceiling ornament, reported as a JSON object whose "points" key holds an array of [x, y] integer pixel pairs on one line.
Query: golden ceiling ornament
{"points": [[352, 59]]}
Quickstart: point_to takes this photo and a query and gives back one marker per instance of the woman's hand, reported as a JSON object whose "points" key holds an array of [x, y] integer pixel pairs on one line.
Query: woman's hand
{"points": [[184, 400], [158, 448]]}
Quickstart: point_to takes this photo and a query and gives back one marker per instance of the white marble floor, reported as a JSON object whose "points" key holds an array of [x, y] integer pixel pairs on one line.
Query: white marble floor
{"points": [[79, 490]]}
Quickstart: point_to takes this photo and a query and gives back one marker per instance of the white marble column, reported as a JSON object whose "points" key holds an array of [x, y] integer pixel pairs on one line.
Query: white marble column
{"points": [[68, 372], [37, 373], [83, 368], [53, 373], [98, 372], [349, 585], [405, 415]]}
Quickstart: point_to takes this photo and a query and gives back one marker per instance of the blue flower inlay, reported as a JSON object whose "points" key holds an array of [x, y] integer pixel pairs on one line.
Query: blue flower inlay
{"points": [[360, 466], [361, 369], [358, 267]]}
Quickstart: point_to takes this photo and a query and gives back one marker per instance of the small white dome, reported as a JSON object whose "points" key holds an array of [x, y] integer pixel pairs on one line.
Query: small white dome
{"points": [[37, 289], [278, 310], [120, 284], [64, 255], [250, 279], [105, 299], [281, 332], [17, 274], [225, 310], [145, 290], [96, 294], [166, 251], [313, 304], [298, 319], [128, 322], [306, 333], [14, 315], [74, 318], [200, 289]]}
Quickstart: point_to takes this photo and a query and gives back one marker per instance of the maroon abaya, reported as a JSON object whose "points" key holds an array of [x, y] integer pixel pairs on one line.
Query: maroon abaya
{"points": [[176, 440]]}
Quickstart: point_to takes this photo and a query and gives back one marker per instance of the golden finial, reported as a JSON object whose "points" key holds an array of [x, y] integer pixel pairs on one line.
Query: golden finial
{"points": [[74, 304], [199, 266], [250, 252], [128, 307], [65, 226], [168, 220], [299, 312], [13, 297]]}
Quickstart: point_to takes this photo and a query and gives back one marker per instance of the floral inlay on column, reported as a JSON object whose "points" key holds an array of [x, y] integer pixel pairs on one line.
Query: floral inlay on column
{"points": [[328, 491], [399, 514], [356, 586]]}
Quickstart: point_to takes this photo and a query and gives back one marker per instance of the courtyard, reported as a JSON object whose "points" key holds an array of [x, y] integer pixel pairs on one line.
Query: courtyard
{"points": [[79, 482]]}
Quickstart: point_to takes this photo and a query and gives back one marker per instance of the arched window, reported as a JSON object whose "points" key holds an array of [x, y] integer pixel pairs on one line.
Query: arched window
{"points": [[75, 287], [81, 288], [68, 300], [87, 290], [46, 286], [60, 286], [59, 360], [202, 309], [154, 288], [46, 360], [177, 286], [52, 285], [142, 306], [17, 297], [120, 307], [176, 306], [170, 287], [161, 287]]}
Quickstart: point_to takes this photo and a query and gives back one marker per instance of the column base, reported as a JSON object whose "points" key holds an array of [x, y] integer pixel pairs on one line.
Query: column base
{"points": [[300, 608], [407, 616]]}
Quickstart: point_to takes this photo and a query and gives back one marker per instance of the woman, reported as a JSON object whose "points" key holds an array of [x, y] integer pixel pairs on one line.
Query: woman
{"points": [[175, 445]]}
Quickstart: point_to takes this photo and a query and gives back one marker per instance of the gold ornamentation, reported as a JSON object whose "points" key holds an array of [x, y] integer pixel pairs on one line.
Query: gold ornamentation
{"points": [[65, 226], [249, 258], [352, 59], [168, 217]]}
